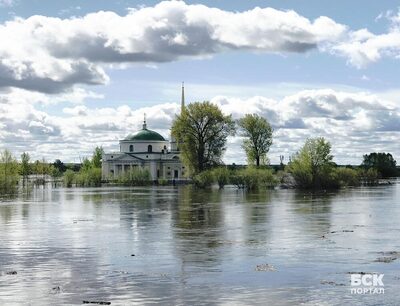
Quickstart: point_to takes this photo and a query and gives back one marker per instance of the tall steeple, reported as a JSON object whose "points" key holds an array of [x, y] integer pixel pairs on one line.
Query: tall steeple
{"points": [[144, 122], [183, 97]]}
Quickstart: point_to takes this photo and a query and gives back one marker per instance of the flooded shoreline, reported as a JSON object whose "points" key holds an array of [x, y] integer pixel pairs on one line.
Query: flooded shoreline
{"points": [[179, 245]]}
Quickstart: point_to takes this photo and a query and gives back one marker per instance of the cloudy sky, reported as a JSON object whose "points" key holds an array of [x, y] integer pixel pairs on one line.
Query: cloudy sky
{"points": [[80, 74]]}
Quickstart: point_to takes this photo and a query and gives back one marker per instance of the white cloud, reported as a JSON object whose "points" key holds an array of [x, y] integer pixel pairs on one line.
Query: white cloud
{"points": [[355, 123], [363, 47], [51, 55], [363, 50], [74, 95]]}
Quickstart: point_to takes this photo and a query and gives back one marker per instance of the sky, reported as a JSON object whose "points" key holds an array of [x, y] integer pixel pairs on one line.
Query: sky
{"points": [[79, 74]]}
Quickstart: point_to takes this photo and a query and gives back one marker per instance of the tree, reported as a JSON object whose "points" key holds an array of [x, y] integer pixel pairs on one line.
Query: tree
{"points": [[8, 172], [258, 133], [25, 167], [60, 166], [311, 166], [54, 171], [384, 163], [89, 174], [202, 130], [97, 157]]}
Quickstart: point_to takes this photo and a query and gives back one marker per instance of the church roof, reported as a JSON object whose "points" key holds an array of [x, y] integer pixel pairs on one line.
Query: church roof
{"points": [[145, 134]]}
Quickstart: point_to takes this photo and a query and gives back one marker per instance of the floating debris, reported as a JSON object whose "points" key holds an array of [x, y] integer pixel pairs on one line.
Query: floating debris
{"points": [[82, 220], [343, 231], [325, 282], [388, 257], [12, 273], [96, 302], [362, 273], [391, 253], [385, 259], [265, 268], [56, 290]]}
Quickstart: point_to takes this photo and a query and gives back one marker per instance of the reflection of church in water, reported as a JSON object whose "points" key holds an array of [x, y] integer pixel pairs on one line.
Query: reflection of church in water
{"points": [[146, 149]]}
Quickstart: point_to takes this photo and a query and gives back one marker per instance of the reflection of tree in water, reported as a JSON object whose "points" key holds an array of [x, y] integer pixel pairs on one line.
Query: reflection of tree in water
{"points": [[315, 207], [8, 208], [197, 209], [9, 196], [138, 206], [313, 202], [197, 221], [258, 206], [7, 213]]}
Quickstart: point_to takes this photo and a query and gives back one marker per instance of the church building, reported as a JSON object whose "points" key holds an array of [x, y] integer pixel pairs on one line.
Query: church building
{"points": [[146, 149]]}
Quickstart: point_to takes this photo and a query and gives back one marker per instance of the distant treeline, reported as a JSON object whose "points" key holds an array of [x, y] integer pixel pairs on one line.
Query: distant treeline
{"points": [[310, 168], [303, 171]]}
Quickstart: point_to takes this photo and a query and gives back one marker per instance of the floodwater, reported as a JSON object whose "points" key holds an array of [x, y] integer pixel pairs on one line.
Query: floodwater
{"points": [[181, 246]]}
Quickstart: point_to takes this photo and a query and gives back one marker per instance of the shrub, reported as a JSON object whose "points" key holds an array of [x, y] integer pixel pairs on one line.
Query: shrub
{"points": [[253, 178], [301, 171], [55, 172], [162, 182], [312, 166], [88, 177], [204, 179], [347, 177], [8, 173], [369, 177], [135, 177], [69, 178], [221, 175]]}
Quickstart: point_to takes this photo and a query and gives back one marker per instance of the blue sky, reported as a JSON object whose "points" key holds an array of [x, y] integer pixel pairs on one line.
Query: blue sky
{"points": [[337, 62]]}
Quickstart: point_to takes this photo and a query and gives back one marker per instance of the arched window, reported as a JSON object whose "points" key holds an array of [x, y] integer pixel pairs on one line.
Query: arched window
{"points": [[150, 148], [131, 148]]}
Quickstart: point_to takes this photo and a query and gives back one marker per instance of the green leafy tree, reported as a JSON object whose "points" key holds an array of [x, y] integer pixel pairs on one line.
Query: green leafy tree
{"points": [[221, 175], [36, 168], [202, 130], [86, 164], [60, 166], [54, 172], [25, 167], [312, 165], [258, 138], [8, 172], [89, 174], [41, 167], [384, 163], [69, 178], [97, 157]]}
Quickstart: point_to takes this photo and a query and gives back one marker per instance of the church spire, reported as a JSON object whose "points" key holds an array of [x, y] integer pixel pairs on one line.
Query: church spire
{"points": [[183, 97], [144, 122]]}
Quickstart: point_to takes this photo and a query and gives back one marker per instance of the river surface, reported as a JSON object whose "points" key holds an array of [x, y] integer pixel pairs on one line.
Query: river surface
{"points": [[181, 246]]}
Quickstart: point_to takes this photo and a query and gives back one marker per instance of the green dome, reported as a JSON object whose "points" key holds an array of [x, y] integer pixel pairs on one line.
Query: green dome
{"points": [[145, 134]]}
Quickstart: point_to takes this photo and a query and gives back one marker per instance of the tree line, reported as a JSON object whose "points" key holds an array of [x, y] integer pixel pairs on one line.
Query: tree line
{"points": [[27, 172]]}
